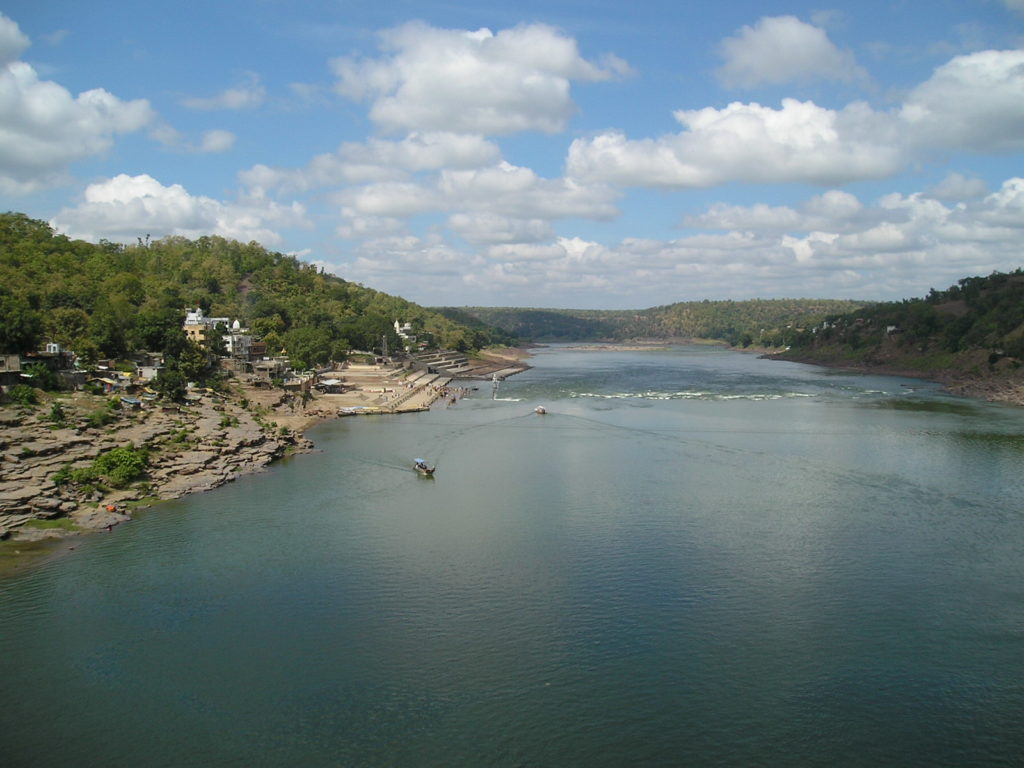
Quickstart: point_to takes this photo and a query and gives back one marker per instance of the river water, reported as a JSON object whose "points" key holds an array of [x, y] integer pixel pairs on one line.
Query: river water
{"points": [[695, 558]]}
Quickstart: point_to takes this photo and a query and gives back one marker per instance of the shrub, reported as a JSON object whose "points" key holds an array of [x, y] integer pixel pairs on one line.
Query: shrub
{"points": [[62, 476], [122, 465], [57, 414], [22, 394], [102, 416]]}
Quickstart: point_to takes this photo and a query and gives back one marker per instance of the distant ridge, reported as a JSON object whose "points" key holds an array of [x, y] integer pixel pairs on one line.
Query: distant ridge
{"points": [[969, 337], [760, 322]]}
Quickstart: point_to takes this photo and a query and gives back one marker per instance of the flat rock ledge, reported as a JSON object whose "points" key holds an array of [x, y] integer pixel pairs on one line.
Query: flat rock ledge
{"points": [[192, 449]]}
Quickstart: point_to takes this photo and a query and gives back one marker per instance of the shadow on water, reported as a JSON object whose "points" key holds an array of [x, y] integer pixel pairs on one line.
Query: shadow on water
{"points": [[949, 407], [17, 557], [991, 439]]}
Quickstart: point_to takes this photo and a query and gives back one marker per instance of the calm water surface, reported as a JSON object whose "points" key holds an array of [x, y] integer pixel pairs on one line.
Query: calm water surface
{"points": [[695, 558]]}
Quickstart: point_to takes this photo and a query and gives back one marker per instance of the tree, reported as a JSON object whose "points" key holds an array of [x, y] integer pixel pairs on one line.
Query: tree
{"points": [[68, 326], [308, 347], [20, 326], [156, 328], [42, 377], [170, 384]]}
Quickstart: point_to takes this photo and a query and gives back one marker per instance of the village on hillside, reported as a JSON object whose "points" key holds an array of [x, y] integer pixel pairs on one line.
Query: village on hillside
{"points": [[83, 455]]}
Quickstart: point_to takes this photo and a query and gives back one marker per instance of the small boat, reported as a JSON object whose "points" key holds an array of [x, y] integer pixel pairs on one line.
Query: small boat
{"points": [[540, 409], [420, 465]]}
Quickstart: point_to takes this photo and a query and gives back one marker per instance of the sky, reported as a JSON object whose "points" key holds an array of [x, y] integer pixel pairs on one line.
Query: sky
{"points": [[564, 154]]}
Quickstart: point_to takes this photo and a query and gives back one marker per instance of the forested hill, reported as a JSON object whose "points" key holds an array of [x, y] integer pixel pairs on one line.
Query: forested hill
{"points": [[972, 329], [764, 322], [108, 300]]}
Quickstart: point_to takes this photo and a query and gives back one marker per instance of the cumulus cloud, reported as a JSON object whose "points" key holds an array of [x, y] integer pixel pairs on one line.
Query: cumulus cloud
{"points": [[385, 260], [783, 49], [44, 129], [12, 41], [516, 191], [122, 208], [487, 228], [357, 226], [505, 192], [247, 95], [471, 82], [956, 186], [835, 210], [378, 160], [832, 244], [974, 103], [748, 142]]}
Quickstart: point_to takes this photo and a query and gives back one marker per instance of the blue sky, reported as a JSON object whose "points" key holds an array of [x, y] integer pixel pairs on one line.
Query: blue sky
{"points": [[577, 153]]}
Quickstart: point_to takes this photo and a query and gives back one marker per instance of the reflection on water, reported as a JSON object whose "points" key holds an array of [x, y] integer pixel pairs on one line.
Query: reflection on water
{"points": [[799, 568], [949, 406]]}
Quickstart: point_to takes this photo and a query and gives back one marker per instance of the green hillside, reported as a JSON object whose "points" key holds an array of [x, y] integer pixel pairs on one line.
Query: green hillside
{"points": [[974, 328], [108, 300], [764, 322]]}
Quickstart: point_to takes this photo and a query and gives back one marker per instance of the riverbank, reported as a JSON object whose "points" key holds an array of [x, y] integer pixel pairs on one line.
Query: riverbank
{"points": [[974, 377], [211, 439]]}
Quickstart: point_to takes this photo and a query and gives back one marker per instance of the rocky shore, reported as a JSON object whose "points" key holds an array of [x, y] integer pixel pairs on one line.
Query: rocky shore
{"points": [[210, 440], [975, 378], [190, 447]]}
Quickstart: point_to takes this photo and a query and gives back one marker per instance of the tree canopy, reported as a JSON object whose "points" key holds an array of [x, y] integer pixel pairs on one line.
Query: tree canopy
{"points": [[977, 315], [741, 323], [109, 300]]}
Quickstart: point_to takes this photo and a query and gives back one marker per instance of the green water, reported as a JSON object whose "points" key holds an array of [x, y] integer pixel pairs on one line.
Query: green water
{"points": [[695, 558]]}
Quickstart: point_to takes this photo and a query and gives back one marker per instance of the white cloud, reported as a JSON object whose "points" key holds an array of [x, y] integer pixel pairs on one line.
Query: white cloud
{"points": [[247, 95], [504, 190], [485, 228], [384, 260], [125, 207], [12, 41], [424, 151], [357, 226], [747, 142], [830, 245], [783, 49], [1004, 208], [216, 141], [973, 103], [471, 82], [519, 192], [377, 160], [392, 199], [834, 209], [956, 186], [44, 129]]}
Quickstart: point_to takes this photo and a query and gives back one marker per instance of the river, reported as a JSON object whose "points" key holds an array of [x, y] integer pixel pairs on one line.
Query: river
{"points": [[696, 557]]}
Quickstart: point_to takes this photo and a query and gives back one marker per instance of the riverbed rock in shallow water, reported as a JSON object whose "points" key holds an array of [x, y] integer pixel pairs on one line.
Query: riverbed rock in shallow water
{"points": [[191, 449]]}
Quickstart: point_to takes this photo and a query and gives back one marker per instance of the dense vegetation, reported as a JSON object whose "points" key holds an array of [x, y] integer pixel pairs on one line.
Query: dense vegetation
{"points": [[969, 327], [108, 300], [764, 322]]}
